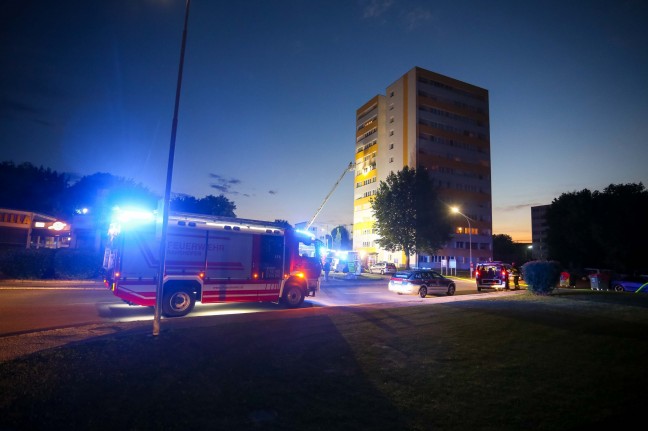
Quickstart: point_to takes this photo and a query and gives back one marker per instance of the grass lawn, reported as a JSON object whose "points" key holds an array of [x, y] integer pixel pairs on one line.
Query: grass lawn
{"points": [[575, 360]]}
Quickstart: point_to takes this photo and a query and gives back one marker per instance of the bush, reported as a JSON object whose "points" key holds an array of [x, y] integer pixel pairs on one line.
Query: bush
{"points": [[26, 263], [47, 264], [541, 276], [74, 264]]}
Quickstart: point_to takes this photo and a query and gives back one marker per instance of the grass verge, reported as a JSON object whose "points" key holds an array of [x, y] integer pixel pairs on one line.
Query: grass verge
{"points": [[560, 362]]}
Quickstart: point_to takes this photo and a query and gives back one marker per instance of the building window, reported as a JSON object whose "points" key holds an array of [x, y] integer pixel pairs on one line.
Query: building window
{"points": [[391, 133], [391, 94], [391, 119], [391, 160], [391, 146]]}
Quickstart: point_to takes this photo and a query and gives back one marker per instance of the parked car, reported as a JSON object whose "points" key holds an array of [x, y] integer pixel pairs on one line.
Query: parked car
{"points": [[629, 283], [421, 282], [382, 268], [492, 275], [582, 278]]}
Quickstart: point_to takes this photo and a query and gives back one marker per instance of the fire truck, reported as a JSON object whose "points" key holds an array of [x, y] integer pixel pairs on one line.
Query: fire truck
{"points": [[208, 259]]}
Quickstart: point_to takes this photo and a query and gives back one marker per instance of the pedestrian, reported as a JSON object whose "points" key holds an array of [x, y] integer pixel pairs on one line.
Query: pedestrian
{"points": [[516, 276], [327, 269]]}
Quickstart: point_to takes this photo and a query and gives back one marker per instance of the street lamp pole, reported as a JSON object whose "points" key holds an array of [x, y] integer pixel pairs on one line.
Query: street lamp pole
{"points": [[167, 190], [456, 211]]}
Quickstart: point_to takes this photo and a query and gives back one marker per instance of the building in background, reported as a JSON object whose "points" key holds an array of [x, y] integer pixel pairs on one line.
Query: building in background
{"points": [[25, 229], [432, 121], [539, 230]]}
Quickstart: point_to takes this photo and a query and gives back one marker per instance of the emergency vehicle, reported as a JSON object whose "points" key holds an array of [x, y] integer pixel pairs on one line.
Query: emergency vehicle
{"points": [[208, 259]]}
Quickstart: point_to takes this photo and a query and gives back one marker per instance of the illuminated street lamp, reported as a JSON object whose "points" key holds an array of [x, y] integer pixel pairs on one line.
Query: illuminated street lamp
{"points": [[167, 190], [456, 211]]}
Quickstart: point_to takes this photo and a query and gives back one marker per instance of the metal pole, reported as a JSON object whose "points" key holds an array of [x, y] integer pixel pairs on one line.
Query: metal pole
{"points": [[469, 247], [167, 190]]}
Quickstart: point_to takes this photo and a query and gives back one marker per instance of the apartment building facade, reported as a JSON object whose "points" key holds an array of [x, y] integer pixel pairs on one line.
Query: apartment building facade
{"points": [[425, 119]]}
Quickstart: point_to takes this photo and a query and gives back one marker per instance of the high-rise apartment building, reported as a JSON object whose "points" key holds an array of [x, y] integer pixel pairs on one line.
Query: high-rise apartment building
{"points": [[432, 121]]}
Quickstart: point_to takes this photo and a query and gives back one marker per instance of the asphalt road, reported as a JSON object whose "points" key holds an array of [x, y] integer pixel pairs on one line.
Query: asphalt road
{"points": [[33, 306], [36, 316]]}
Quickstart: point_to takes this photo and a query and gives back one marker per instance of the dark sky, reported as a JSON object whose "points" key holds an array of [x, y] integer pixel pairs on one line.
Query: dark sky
{"points": [[270, 89]]}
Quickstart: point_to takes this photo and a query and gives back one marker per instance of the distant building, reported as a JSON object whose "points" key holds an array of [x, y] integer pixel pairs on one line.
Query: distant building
{"points": [[26, 229], [437, 122], [539, 230]]}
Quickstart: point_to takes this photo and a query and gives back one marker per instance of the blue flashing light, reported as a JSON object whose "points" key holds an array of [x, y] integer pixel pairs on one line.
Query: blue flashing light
{"points": [[130, 214]]}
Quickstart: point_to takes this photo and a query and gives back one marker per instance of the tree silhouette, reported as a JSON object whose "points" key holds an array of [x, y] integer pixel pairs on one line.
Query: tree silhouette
{"points": [[209, 205], [30, 188], [600, 229], [409, 215]]}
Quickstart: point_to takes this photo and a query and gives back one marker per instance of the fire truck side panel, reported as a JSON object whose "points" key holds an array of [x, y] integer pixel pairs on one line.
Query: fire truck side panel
{"points": [[228, 273]]}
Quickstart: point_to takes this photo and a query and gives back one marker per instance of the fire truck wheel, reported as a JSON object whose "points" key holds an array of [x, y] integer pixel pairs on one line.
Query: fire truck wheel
{"points": [[293, 296], [178, 302]]}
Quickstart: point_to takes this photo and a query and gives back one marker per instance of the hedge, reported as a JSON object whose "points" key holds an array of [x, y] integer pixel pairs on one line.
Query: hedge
{"points": [[50, 264]]}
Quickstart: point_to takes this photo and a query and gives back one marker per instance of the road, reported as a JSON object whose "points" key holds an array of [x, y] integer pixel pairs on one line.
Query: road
{"points": [[35, 306], [38, 316]]}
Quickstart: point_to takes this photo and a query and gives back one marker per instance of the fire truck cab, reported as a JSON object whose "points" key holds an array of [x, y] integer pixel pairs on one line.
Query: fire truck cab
{"points": [[208, 259]]}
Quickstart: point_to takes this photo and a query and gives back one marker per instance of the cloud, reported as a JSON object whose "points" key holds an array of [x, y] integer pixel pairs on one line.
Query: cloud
{"points": [[519, 206], [417, 17], [224, 185], [376, 8]]}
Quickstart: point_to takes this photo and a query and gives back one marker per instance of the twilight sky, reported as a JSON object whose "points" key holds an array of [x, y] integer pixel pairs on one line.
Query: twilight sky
{"points": [[270, 89]]}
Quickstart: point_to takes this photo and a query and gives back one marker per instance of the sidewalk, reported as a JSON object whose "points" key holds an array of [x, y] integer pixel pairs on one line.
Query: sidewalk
{"points": [[53, 284]]}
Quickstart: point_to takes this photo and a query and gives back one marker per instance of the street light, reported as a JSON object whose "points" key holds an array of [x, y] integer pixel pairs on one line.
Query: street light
{"points": [[456, 211], [167, 190]]}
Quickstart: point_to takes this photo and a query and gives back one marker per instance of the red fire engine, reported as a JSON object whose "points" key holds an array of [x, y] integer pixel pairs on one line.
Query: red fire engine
{"points": [[208, 259]]}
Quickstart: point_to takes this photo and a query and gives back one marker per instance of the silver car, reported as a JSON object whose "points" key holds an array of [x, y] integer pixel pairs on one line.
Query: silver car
{"points": [[421, 282], [382, 268]]}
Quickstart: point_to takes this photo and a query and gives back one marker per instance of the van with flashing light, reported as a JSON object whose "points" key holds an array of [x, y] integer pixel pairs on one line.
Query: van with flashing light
{"points": [[492, 275]]}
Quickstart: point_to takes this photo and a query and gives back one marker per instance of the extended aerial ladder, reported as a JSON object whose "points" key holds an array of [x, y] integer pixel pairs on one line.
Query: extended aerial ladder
{"points": [[347, 169]]}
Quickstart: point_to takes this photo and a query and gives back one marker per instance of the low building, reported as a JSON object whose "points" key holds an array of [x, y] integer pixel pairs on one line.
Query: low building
{"points": [[26, 229]]}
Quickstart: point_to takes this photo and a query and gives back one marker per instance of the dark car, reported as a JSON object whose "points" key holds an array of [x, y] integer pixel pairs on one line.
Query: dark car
{"points": [[492, 275], [629, 283], [421, 282]]}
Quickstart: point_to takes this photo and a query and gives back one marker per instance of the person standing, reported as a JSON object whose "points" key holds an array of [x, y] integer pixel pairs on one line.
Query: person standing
{"points": [[516, 276], [327, 268]]}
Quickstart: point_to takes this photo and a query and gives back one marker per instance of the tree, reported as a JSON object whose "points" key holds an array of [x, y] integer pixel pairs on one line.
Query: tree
{"points": [[209, 205], [101, 192], [569, 220], [283, 222], [340, 238], [29, 188], [409, 215], [600, 229], [505, 250]]}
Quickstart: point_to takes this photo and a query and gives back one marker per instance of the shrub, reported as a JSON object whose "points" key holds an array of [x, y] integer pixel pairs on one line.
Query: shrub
{"points": [[541, 276], [47, 263], [26, 263], [75, 264]]}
